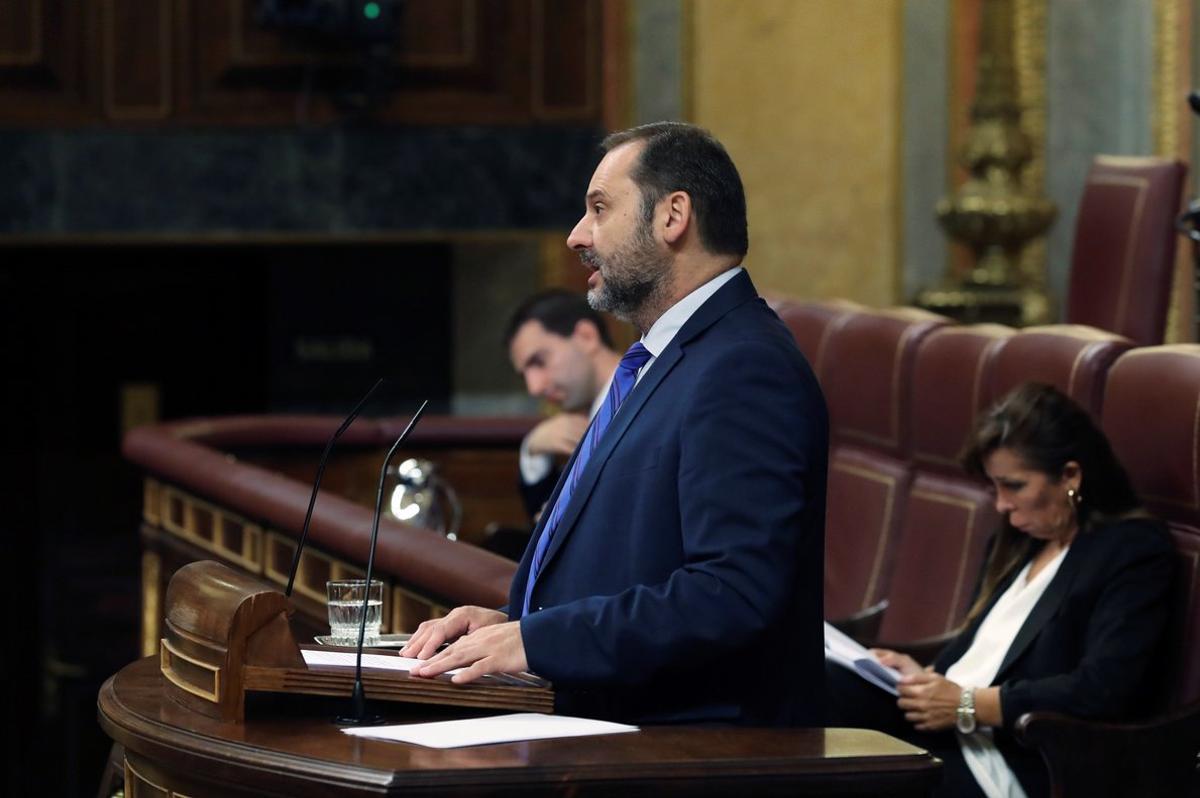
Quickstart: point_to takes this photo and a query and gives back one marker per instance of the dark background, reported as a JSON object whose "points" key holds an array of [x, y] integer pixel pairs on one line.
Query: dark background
{"points": [[286, 329], [199, 217]]}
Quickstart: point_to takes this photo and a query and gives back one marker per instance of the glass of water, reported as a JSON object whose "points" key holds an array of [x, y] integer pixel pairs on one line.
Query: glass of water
{"points": [[346, 607]]}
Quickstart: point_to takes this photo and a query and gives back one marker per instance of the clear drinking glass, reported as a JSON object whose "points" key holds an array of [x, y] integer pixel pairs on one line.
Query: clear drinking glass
{"points": [[345, 611]]}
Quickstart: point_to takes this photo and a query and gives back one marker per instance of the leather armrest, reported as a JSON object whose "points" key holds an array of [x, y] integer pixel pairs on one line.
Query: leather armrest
{"points": [[864, 624], [1158, 756]]}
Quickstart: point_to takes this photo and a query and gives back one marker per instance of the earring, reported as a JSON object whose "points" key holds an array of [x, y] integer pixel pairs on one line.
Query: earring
{"points": [[1075, 496]]}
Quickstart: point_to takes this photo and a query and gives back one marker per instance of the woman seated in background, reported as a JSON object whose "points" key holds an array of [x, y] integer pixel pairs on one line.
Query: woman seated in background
{"points": [[1068, 615]]}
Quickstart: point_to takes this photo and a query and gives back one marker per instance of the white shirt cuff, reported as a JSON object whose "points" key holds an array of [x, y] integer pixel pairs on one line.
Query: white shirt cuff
{"points": [[534, 467]]}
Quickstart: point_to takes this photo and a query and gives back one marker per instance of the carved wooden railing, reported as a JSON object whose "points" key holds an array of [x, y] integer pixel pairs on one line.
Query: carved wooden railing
{"points": [[236, 490]]}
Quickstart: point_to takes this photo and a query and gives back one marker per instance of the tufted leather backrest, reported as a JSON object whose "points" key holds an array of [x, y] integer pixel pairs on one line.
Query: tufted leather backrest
{"points": [[812, 324], [1073, 358], [951, 379], [1152, 417], [948, 516], [1123, 259], [866, 374]]}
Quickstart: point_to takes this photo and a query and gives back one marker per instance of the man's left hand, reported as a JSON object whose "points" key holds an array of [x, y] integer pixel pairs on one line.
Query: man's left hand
{"points": [[929, 700], [491, 649]]}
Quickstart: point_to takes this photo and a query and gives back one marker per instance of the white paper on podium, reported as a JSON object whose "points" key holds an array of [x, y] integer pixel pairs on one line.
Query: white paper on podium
{"points": [[346, 659], [494, 729], [390, 662]]}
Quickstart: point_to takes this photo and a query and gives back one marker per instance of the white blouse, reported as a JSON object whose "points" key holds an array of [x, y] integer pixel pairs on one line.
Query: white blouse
{"points": [[980, 664]]}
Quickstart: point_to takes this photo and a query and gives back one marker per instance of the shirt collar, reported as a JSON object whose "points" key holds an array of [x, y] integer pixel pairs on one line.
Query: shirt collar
{"points": [[662, 331]]}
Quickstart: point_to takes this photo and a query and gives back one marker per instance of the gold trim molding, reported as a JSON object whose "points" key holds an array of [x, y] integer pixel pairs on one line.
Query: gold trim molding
{"points": [[151, 602], [1166, 115], [1170, 127], [1029, 61], [260, 551]]}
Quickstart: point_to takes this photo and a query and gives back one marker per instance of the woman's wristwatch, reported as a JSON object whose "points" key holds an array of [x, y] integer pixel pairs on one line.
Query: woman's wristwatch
{"points": [[965, 716]]}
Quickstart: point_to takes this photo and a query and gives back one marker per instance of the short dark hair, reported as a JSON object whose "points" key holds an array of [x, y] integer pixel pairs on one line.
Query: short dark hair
{"points": [[558, 310], [682, 157], [1047, 430]]}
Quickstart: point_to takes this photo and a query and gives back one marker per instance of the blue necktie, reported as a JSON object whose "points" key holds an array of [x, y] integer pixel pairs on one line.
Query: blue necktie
{"points": [[622, 383]]}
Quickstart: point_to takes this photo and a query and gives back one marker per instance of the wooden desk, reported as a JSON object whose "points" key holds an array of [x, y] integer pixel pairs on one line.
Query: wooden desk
{"points": [[289, 748]]}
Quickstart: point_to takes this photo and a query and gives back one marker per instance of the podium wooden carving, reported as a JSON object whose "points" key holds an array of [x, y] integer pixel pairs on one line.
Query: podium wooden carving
{"points": [[228, 634]]}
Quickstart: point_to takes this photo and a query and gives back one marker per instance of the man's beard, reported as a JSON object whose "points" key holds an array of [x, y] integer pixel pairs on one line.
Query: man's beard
{"points": [[634, 276]]}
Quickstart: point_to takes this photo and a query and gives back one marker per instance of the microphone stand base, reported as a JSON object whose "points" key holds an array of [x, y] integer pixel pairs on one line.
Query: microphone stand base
{"points": [[364, 720], [358, 715]]}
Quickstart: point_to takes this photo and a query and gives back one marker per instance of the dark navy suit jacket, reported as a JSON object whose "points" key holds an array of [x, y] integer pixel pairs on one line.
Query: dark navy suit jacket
{"points": [[684, 582]]}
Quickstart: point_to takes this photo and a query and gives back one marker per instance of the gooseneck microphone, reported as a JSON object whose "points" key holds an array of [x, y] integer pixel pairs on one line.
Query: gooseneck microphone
{"points": [[312, 500], [358, 702]]}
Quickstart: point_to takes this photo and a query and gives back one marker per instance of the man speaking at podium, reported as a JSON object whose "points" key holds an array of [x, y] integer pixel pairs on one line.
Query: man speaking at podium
{"points": [[676, 573]]}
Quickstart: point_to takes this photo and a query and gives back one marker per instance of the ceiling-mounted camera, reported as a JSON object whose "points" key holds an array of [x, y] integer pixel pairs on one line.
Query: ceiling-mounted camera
{"points": [[346, 21], [367, 28]]}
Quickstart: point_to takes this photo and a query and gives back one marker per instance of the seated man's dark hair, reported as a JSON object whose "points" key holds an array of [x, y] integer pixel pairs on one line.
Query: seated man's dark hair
{"points": [[558, 310], [683, 157]]}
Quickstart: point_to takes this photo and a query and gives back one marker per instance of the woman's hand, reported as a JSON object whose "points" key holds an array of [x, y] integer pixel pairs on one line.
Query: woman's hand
{"points": [[929, 700], [894, 659]]}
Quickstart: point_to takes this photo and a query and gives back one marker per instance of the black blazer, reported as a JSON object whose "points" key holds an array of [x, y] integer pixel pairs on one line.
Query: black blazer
{"points": [[1090, 646]]}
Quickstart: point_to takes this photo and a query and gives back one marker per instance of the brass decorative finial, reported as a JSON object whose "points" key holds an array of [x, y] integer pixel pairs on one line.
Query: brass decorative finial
{"points": [[990, 212]]}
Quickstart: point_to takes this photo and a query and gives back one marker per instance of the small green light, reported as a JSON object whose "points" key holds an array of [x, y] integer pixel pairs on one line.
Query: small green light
{"points": [[371, 11]]}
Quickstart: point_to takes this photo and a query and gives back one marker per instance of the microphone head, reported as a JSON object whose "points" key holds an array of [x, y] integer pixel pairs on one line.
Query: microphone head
{"points": [[1194, 101]]}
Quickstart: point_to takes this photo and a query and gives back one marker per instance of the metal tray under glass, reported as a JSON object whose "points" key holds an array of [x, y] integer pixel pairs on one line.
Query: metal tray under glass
{"points": [[385, 641]]}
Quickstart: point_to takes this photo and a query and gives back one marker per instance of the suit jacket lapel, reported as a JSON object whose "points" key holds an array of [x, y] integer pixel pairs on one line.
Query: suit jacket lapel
{"points": [[736, 292], [616, 430], [1043, 611]]}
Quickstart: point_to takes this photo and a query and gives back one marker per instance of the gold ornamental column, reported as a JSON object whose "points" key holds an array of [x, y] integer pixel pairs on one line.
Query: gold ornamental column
{"points": [[992, 213]]}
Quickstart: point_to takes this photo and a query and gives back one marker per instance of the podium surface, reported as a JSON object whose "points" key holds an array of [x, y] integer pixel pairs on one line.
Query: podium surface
{"points": [[288, 746]]}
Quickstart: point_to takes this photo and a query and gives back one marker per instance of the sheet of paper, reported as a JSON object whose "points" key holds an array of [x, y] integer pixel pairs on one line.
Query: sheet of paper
{"points": [[346, 659], [494, 729], [847, 652], [389, 662], [842, 644]]}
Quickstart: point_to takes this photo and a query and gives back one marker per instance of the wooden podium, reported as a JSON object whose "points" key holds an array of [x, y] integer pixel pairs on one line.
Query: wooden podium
{"points": [[291, 748], [181, 727], [227, 634]]}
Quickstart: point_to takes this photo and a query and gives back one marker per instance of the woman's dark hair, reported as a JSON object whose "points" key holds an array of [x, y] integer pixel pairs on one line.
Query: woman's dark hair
{"points": [[1047, 430]]}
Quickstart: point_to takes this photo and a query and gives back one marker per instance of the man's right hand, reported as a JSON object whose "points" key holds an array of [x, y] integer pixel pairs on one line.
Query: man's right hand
{"points": [[460, 621], [557, 435]]}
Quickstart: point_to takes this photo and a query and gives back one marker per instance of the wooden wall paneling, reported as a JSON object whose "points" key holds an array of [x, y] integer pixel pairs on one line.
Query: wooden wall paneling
{"points": [[42, 58], [566, 44], [233, 72], [21, 32], [463, 62], [440, 33], [615, 65], [137, 53], [456, 62]]}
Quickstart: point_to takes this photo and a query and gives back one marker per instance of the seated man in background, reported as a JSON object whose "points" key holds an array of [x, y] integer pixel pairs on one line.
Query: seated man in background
{"points": [[675, 574], [563, 351]]}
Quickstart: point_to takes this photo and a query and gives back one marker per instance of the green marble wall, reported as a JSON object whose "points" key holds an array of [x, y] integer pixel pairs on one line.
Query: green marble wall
{"points": [[925, 155], [1099, 91]]}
